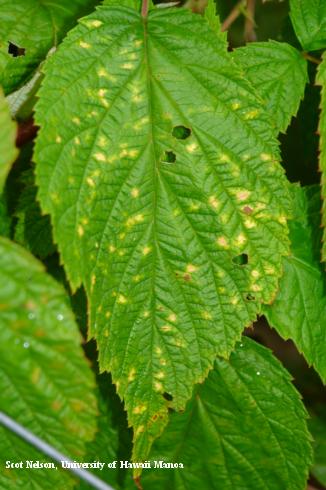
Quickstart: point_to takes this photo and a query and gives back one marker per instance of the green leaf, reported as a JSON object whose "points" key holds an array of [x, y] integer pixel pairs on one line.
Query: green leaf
{"points": [[33, 230], [214, 20], [243, 429], [45, 381], [279, 73], [317, 426], [35, 27], [309, 22], [321, 80], [8, 151], [299, 311], [153, 225]]}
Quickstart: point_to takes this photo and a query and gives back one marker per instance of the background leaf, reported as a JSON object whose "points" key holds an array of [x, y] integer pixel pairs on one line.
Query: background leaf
{"points": [[243, 429], [32, 230], [317, 427], [299, 311], [45, 381], [321, 80], [309, 22], [174, 216], [34, 27], [279, 73], [8, 151]]}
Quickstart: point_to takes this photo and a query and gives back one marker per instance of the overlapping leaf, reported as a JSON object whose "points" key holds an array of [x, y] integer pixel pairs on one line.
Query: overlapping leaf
{"points": [[279, 73], [33, 27], [321, 80], [45, 382], [309, 22], [299, 311], [33, 230], [8, 151], [158, 166], [243, 429]]}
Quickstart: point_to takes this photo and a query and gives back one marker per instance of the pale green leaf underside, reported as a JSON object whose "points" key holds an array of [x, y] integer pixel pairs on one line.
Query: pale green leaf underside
{"points": [[279, 74], [299, 311], [45, 381], [8, 151], [35, 26], [153, 240], [321, 80], [309, 22], [244, 429]]}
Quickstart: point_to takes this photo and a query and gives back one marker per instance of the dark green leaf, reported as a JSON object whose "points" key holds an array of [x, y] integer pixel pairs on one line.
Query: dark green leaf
{"points": [[299, 311], [244, 429], [29, 29]]}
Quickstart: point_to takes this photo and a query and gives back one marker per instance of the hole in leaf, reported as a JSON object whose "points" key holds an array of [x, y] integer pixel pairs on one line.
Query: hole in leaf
{"points": [[167, 396], [250, 297], [169, 157], [181, 132], [241, 259], [15, 50]]}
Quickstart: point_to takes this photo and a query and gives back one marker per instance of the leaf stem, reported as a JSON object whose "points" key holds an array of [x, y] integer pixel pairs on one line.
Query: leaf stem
{"points": [[233, 15], [249, 29], [308, 57], [144, 8]]}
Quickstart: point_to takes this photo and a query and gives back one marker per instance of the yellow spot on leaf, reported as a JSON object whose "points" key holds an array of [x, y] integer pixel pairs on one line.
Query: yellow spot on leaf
{"points": [[131, 375], [206, 315], [80, 230], [146, 250], [172, 317], [213, 202], [100, 157], [122, 299], [191, 268], [84, 45], [192, 147], [127, 66], [222, 242], [58, 139], [76, 120], [135, 192]]}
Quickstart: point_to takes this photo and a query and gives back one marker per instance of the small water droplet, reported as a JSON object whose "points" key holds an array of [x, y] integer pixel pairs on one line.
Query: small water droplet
{"points": [[258, 373], [26, 345], [60, 317], [241, 345], [31, 316]]}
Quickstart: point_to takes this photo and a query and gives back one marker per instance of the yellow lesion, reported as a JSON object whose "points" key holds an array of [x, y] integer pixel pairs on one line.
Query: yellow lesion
{"points": [[191, 268], [266, 157], [206, 315], [76, 120], [159, 375], [223, 242], [214, 202], [128, 66], [100, 157], [84, 45], [172, 317], [122, 299], [134, 192], [146, 250], [158, 386], [192, 147], [58, 139], [166, 328], [241, 239], [80, 230], [139, 409], [132, 374], [253, 114]]}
